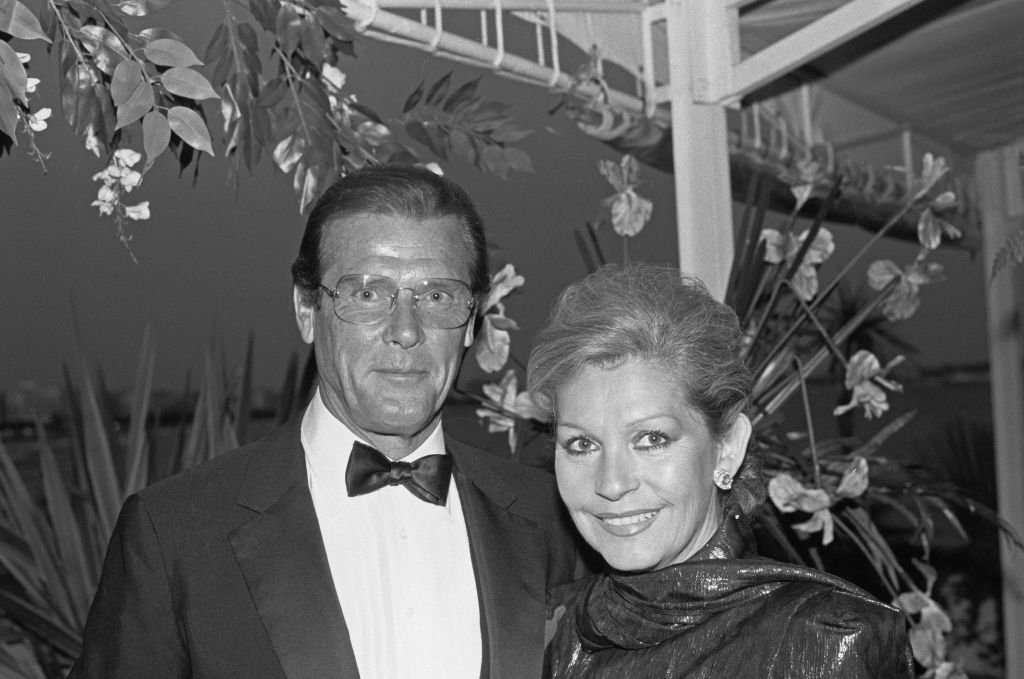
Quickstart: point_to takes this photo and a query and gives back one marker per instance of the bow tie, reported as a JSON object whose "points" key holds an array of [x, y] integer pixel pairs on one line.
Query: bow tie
{"points": [[427, 478]]}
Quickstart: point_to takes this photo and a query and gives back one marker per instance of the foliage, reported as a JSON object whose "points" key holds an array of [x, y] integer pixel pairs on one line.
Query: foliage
{"points": [[1009, 253], [276, 68], [53, 538]]}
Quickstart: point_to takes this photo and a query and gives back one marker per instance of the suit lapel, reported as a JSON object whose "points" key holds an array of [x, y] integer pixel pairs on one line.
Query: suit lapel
{"points": [[282, 557], [508, 564]]}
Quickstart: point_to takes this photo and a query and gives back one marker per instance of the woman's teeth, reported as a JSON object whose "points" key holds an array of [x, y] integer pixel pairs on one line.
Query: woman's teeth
{"points": [[629, 520]]}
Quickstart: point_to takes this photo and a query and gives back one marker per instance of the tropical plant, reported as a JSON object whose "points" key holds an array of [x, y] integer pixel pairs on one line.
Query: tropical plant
{"points": [[54, 533]]}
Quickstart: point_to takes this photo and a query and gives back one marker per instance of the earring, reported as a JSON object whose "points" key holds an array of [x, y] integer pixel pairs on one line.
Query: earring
{"points": [[723, 479]]}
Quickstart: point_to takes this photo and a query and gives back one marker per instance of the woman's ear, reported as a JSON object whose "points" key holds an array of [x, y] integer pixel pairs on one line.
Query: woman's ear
{"points": [[733, 446]]}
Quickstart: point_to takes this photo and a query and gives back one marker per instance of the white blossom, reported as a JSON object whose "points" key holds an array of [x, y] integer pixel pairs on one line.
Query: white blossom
{"points": [[137, 212]]}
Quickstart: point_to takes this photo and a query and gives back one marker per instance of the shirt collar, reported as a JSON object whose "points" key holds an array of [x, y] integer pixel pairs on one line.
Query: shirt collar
{"points": [[328, 442]]}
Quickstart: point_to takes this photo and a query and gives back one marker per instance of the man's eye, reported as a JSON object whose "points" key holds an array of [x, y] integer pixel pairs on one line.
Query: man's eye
{"points": [[437, 297]]}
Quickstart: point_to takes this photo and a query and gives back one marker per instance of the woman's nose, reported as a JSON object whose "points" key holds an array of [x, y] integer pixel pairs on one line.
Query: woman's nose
{"points": [[616, 475]]}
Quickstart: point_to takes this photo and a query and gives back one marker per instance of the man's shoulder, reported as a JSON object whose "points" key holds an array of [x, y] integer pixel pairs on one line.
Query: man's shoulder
{"points": [[533, 487], [222, 476]]}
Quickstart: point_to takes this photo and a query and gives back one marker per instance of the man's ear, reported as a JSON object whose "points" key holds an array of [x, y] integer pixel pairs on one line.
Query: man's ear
{"points": [[467, 339], [305, 315], [733, 446]]}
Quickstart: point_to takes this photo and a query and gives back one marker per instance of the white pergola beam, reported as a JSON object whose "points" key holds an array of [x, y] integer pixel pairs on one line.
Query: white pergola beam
{"points": [[598, 6], [996, 171], [720, 23], [701, 159]]}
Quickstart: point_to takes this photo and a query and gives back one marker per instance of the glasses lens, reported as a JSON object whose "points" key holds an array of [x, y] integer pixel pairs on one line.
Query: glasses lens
{"points": [[365, 299], [442, 302]]}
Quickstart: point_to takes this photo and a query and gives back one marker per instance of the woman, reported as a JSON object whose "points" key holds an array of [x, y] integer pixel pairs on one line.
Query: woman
{"points": [[643, 372]]}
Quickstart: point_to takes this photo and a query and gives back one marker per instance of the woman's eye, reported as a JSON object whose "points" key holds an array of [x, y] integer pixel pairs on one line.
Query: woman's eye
{"points": [[653, 439], [579, 445]]}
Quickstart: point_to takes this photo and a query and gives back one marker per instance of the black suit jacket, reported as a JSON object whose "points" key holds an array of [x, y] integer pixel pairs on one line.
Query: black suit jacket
{"points": [[221, 571]]}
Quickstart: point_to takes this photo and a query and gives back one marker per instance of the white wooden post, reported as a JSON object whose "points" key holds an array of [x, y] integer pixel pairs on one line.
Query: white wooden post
{"points": [[700, 154], [995, 172]]}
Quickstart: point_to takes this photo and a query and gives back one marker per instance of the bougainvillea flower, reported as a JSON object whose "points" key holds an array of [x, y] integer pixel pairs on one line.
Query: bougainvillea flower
{"points": [[37, 120], [629, 211]]}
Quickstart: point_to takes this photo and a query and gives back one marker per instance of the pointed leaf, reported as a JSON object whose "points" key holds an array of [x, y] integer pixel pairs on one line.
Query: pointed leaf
{"points": [[189, 125], [148, 35], [413, 98], [461, 95], [104, 46], [439, 90], [79, 581], [188, 83], [99, 457], [127, 78], [167, 52], [19, 21], [334, 21], [139, 103], [138, 448], [8, 112], [12, 71], [156, 133]]}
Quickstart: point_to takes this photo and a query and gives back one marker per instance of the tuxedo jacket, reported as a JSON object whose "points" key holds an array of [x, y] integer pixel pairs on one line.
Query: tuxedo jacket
{"points": [[221, 571]]}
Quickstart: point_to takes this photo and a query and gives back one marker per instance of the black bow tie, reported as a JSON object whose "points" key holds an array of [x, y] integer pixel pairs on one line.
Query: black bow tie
{"points": [[427, 478]]}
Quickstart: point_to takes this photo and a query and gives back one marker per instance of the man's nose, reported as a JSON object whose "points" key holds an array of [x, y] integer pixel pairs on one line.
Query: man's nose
{"points": [[616, 475], [403, 324]]}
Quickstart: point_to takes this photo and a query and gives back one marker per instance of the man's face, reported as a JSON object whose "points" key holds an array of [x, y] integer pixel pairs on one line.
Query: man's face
{"points": [[390, 378]]}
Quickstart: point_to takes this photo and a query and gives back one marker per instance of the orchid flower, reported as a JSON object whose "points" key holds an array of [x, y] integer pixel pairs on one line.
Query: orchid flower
{"points": [[629, 211], [789, 495], [905, 299], [784, 248], [864, 375], [493, 344], [505, 404]]}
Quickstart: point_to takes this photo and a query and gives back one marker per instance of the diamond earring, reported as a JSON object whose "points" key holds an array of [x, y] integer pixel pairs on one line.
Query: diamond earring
{"points": [[723, 479]]}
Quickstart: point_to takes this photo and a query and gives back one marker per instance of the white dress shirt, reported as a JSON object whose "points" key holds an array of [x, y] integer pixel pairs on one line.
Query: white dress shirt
{"points": [[401, 566]]}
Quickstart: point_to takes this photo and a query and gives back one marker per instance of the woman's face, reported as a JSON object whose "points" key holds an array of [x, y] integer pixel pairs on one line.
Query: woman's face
{"points": [[634, 463]]}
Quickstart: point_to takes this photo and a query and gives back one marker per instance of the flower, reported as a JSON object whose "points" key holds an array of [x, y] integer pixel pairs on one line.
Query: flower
{"points": [[24, 57], [905, 298], [927, 633], [127, 157], [789, 495], [808, 171], [92, 142], [629, 212], [505, 404], [864, 374], [31, 84], [854, 480], [784, 248], [493, 344], [931, 228], [137, 212], [37, 120]]}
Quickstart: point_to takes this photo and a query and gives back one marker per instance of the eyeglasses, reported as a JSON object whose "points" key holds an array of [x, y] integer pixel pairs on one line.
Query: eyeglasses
{"points": [[365, 299]]}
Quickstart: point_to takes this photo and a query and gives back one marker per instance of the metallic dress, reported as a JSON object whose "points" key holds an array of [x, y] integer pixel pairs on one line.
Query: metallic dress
{"points": [[726, 614]]}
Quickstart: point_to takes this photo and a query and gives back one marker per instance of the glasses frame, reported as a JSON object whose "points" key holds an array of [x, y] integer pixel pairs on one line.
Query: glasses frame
{"points": [[334, 294]]}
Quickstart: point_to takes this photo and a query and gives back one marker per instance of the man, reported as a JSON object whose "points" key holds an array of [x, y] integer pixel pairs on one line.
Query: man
{"points": [[306, 554]]}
